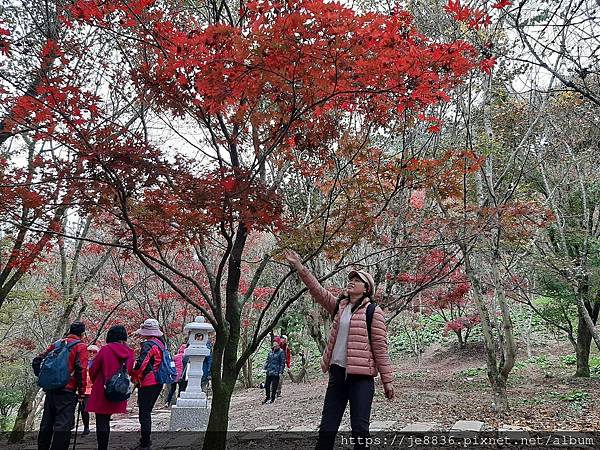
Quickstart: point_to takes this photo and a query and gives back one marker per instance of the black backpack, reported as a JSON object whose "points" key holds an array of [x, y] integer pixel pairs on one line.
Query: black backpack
{"points": [[370, 311], [118, 387]]}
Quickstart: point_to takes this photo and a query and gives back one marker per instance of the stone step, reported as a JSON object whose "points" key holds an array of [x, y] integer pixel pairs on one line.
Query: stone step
{"points": [[466, 428], [303, 429], [267, 428], [419, 427], [381, 425], [300, 432]]}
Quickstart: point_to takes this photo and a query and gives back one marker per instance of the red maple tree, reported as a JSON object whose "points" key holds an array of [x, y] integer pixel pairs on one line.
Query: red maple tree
{"points": [[277, 88]]}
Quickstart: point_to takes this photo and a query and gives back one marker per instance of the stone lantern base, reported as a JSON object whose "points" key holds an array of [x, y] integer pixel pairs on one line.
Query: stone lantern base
{"points": [[189, 418]]}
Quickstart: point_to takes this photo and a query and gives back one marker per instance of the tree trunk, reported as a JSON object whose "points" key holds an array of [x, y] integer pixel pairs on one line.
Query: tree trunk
{"points": [[250, 373], [527, 334], [582, 349], [497, 372], [25, 410], [37, 408], [302, 374], [314, 328], [247, 374], [583, 309], [225, 368], [500, 395], [584, 340], [216, 431], [462, 343]]}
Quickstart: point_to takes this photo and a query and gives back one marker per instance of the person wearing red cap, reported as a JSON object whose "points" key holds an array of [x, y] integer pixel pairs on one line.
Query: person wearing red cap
{"points": [[353, 356], [287, 353]]}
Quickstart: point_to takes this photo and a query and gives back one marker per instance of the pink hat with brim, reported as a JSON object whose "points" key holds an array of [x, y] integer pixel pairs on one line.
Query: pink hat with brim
{"points": [[150, 327]]}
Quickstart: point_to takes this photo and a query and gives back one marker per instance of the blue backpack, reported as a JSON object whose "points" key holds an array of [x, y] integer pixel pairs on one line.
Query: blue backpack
{"points": [[167, 372], [54, 370]]}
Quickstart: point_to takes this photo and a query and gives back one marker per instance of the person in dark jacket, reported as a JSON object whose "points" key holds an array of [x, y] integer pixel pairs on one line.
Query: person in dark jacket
{"points": [[109, 360], [146, 365], [207, 365], [274, 366], [285, 348], [59, 406]]}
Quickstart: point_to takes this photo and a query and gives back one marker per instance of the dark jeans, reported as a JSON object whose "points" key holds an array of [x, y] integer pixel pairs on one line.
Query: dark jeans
{"points": [[181, 384], [57, 420], [356, 389], [272, 380], [172, 389], [147, 397], [102, 430], [85, 416]]}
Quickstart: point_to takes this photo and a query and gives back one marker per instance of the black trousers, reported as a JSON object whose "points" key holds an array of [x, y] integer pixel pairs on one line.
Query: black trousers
{"points": [[172, 389], [85, 416], [271, 386], [57, 420], [147, 397], [181, 385], [102, 430], [358, 390]]}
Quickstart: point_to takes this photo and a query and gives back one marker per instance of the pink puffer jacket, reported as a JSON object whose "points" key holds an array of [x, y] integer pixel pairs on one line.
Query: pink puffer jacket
{"points": [[362, 359]]}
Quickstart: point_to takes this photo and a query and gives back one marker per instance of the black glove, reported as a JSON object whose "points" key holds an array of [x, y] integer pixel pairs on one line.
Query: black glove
{"points": [[36, 364]]}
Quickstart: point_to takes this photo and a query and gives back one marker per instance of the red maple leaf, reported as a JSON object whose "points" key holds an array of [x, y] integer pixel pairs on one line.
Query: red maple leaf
{"points": [[501, 4]]}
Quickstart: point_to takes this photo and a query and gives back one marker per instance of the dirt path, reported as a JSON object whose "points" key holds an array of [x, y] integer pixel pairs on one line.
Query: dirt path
{"points": [[441, 392], [447, 387]]}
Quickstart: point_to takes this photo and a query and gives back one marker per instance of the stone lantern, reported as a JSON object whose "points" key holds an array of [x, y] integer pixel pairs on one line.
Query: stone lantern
{"points": [[192, 409]]}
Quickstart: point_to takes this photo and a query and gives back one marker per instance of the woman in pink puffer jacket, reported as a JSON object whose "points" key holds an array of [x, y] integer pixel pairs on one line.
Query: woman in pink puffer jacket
{"points": [[351, 358]]}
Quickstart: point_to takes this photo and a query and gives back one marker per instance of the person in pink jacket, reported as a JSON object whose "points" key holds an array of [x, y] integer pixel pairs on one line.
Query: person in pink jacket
{"points": [[109, 360], [352, 357]]}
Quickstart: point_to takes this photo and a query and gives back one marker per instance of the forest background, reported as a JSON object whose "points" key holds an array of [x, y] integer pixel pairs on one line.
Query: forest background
{"points": [[158, 155]]}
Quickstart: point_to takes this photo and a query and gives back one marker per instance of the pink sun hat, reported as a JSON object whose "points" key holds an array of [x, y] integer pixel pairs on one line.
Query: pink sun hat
{"points": [[150, 327]]}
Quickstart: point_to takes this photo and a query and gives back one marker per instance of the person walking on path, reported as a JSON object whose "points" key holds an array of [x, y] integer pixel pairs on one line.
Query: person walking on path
{"points": [[285, 348], [207, 364], [108, 362], [178, 358], [144, 376], [274, 366], [355, 353], [85, 416], [60, 403]]}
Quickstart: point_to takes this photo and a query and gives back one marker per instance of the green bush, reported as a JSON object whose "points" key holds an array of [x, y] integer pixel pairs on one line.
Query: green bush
{"points": [[575, 396], [473, 372], [541, 361], [9, 400]]}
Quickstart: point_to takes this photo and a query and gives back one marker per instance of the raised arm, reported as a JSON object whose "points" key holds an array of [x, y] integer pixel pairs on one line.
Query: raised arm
{"points": [[325, 298]]}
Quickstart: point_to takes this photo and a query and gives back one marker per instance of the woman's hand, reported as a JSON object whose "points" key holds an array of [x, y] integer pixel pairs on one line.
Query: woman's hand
{"points": [[293, 258], [388, 388]]}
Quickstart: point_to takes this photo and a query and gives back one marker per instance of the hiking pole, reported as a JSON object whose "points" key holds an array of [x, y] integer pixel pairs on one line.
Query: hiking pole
{"points": [[77, 423]]}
